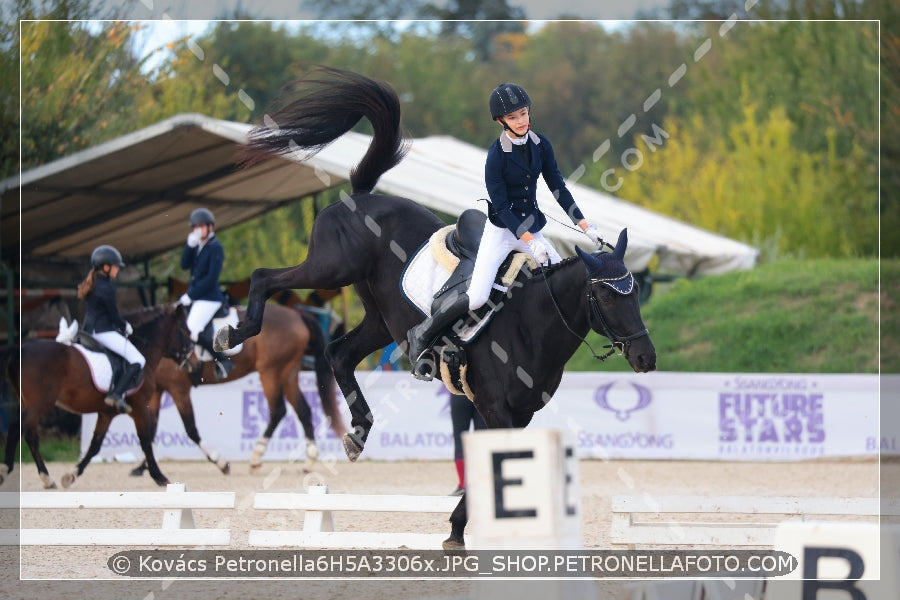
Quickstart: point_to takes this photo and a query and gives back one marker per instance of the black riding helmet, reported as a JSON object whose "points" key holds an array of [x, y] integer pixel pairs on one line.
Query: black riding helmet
{"points": [[106, 255], [202, 216], [507, 98]]}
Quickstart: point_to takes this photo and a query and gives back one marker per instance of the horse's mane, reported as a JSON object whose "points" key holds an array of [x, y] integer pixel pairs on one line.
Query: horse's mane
{"points": [[147, 315]]}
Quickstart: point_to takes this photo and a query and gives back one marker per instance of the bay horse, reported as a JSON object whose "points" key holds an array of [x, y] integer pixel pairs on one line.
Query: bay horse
{"points": [[516, 363], [49, 373], [277, 355]]}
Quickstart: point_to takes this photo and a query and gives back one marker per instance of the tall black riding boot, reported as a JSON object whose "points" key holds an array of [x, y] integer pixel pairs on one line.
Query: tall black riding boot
{"points": [[224, 366], [131, 378], [422, 337]]}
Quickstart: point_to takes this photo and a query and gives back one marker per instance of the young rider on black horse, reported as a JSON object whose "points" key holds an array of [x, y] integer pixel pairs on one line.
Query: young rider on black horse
{"points": [[514, 162], [204, 256], [104, 323]]}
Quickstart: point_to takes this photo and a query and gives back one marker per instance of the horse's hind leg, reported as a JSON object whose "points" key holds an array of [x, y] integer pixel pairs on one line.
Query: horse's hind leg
{"points": [[100, 428], [31, 438], [344, 354], [12, 442], [328, 265]]}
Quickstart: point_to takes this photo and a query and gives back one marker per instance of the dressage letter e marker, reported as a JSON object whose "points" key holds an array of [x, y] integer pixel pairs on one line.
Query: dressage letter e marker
{"points": [[522, 490], [500, 510]]}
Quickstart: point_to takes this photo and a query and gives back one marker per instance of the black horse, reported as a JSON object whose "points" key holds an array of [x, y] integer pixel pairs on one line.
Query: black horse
{"points": [[517, 362]]}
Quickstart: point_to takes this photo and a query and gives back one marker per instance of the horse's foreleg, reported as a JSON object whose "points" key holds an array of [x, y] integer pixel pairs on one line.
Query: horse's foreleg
{"points": [[298, 401], [100, 428], [344, 354], [186, 412], [146, 430], [458, 520], [277, 410]]}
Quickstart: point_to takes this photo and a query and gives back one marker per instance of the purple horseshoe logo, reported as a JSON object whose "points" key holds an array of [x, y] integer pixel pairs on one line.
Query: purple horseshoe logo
{"points": [[623, 414]]}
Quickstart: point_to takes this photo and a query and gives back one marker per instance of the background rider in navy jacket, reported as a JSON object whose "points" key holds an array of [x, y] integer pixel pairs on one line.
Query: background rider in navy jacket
{"points": [[204, 256], [104, 323]]}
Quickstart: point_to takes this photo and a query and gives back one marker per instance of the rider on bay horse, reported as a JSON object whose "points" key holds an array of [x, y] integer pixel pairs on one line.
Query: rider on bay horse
{"points": [[514, 162], [104, 323], [204, 256]]}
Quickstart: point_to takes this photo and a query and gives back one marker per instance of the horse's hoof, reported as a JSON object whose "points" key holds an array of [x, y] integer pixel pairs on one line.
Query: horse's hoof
{"points": [[4, 471], [49, 484], [162, 482], [221, 343], [136, 472], [452, 545], [352, 449], [254, 468], [68, 479], [312, 451], [226, 469]]}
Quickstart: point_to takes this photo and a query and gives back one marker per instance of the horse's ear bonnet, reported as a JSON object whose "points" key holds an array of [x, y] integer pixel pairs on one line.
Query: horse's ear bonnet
{"points": [[609, 268]]}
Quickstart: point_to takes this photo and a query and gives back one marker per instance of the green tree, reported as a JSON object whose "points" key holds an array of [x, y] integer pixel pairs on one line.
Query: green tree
{"points": [[756, 186], [79, 79]]}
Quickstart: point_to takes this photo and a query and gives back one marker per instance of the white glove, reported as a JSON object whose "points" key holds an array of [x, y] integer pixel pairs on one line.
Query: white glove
{"points": [[594, 235], [128, 328], [539, 251], [193, 239], [185, 300]]}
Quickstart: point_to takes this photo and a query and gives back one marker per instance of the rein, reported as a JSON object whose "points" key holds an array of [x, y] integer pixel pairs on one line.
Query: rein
{"points": [[594, 313]]}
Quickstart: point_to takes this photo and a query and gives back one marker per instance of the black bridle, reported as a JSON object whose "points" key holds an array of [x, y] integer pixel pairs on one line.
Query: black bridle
{"points": [[595, 314], [185, 345]]}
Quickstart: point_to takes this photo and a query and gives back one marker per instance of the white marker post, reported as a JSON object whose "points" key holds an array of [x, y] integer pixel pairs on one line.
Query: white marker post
{"points": [[523, 493], [837, 560]]}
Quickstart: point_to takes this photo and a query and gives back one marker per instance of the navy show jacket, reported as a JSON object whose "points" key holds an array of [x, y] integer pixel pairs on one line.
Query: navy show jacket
{"points": [[100, 310], [205, 263], [512, 185]]}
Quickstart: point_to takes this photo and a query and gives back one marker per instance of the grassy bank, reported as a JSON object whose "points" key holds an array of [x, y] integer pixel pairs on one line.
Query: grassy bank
{"points": [[792, 316]]}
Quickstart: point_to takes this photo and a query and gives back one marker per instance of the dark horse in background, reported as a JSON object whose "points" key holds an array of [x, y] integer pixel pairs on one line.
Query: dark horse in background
{"points": [[277, 355], [517, 362], [54, 373]]}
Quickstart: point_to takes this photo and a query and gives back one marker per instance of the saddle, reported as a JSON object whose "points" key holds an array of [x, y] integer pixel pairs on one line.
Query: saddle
{"points": [[105, 365], [463, 243]]}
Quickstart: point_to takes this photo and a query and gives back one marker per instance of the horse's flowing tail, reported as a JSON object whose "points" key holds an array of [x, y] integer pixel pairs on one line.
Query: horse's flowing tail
{"points": [[317, 109], [324, 376]]}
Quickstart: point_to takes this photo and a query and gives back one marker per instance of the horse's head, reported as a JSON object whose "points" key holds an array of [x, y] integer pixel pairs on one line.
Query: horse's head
{"points": [[614, 309], [163, 327], [181, 345]]}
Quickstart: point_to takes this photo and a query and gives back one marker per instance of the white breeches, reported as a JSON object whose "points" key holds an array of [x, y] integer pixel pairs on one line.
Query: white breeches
{"points": [[119, 344], [202, 312], [496, 244]]}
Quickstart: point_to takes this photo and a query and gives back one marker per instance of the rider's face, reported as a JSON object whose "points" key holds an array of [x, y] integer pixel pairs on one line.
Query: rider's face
{"points": [[518, 121]]}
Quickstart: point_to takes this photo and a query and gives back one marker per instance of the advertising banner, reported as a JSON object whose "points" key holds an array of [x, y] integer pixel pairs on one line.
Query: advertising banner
{"points": [[663, 415]]}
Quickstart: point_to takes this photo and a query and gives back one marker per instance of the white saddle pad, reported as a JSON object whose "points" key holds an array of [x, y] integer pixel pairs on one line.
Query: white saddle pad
{"points": [[230, 319], [429, 269], [425, 274], [98, 362]]}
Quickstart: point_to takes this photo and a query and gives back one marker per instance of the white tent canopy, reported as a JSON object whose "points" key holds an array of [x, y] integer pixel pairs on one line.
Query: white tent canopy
{"points": [[136, 191]]}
